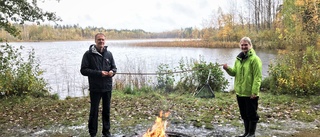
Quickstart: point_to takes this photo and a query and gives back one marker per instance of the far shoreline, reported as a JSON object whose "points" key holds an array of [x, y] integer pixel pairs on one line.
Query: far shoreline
{"points": [[165, 42]]}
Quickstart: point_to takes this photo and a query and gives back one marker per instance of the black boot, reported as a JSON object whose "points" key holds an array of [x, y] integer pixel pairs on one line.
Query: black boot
{"points": [[246, 128], [252, 129]]}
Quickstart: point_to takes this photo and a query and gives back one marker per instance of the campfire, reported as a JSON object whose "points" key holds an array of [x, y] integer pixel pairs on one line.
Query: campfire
{"points": [[159, 127]]}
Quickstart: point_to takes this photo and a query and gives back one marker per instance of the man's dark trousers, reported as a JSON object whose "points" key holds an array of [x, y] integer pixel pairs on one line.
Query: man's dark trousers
{"points": [[95, 98]]}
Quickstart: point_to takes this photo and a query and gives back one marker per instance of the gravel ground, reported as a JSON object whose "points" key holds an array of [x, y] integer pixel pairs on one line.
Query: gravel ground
{"points": [[281, 129]]}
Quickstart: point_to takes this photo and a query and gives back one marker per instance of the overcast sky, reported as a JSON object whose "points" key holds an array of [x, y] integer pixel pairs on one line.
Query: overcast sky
{"points": [[149, 15]]}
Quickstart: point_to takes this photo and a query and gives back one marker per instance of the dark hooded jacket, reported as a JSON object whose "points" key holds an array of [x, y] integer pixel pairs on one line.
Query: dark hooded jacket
{"points": [[93, 63]]}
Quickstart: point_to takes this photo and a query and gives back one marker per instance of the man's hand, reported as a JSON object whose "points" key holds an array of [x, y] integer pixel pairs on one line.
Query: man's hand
{"points": [[105, 73], [110, 73]]}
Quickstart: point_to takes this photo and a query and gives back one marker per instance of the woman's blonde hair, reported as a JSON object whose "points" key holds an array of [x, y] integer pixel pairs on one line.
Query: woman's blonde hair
{"points": [[247, 39]]}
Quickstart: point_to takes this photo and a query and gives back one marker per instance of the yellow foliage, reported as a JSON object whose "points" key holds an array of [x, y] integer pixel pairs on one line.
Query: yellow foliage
{"points": [[316, 18], [282, 81], [282, 52], [299, 2], [280, 36], [294, 17], [297, 73], [304, 2], [278, 30]]}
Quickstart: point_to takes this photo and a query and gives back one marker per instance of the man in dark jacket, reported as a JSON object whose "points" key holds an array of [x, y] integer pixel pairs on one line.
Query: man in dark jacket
{"points": [[98, 64]]}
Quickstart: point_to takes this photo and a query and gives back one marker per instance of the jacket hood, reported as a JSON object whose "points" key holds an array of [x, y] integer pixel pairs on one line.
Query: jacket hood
{"points": [[93, 49], [241, 56]]}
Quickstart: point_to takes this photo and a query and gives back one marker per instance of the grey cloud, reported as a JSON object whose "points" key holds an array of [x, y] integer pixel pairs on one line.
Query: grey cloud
{"points": [[183, 10], [203, 3], [165, 20]]}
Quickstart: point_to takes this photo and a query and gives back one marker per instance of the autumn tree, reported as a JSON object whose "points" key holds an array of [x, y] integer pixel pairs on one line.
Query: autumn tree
{"points": [[310, 12], [298, 23], [261, 13], [18, 75], [21, 11], [196, 33], [296, 69]]}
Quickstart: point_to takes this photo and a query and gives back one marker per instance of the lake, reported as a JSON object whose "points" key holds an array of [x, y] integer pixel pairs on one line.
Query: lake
{"points": [[61, 60]]}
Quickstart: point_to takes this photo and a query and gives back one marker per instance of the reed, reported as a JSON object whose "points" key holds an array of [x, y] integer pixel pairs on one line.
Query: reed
{"points": [[190, 43], [134, 81], [131, 79]]}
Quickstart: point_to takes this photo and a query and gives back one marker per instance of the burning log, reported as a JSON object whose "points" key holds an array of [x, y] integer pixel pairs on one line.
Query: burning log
{"points": [[175, 134], [167, 134], [159, 127]]}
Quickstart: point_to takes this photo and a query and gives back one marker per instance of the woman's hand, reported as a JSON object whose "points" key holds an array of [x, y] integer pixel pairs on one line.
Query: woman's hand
{"points": [[225, 66], [253, 96]]}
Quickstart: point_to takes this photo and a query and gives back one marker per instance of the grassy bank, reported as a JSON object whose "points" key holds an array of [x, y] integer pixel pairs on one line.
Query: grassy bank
{"points": [[28, 116]]}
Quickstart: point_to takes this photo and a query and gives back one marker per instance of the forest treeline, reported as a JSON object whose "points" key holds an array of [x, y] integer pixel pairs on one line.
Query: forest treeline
{"points": [[75, 32]]}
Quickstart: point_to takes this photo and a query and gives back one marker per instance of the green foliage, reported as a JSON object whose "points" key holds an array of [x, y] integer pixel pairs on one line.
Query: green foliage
{"points": [[132, 90], [20, 11], [296, 73], [193, 77], [266, 83], [216, 81], [298, 24], [198, 78], [128, 90], [18, 76], [165, 77]]}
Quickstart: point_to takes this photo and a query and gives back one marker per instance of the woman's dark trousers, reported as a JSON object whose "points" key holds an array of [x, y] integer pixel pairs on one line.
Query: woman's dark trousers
{"points": [[95, 98], [248, 110]]}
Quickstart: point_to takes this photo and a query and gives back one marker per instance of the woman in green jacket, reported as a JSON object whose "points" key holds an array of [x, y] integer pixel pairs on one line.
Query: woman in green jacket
{"points": [[247, 71]]}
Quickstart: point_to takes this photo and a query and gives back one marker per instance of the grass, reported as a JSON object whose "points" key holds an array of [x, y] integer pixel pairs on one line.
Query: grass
{"points": [[25, 116]]}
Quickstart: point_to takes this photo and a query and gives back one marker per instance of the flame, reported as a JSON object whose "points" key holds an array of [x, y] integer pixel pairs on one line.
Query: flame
{"points": [[159, 127]]}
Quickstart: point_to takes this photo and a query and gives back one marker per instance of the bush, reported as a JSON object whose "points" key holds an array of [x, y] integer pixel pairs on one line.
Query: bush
{"points": [[296, 73], [193, 77], [165, 78], [266, 84], [18, 76], [216, 80]]}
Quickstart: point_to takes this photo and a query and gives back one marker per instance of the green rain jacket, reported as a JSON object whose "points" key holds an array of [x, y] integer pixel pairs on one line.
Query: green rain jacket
{"points": [[247, 71]]}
